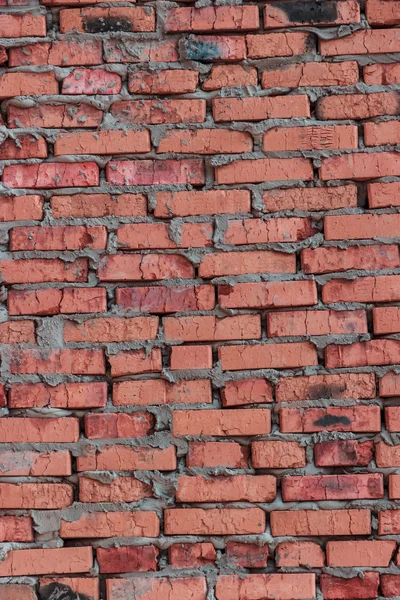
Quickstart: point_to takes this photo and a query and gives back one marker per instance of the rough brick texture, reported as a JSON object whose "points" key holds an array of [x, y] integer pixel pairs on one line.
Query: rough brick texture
{"points": [[199, 299]]}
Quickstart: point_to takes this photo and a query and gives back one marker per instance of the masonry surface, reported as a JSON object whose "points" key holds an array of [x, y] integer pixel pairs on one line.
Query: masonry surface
{"points": [[199, 300]]}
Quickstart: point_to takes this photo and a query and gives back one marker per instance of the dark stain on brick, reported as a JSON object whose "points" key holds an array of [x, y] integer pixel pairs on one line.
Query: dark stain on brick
{"points": [[324, 390], [59, 591], [198, 50], [328, 420], [348, 451], [308, 12], [104, 25]]}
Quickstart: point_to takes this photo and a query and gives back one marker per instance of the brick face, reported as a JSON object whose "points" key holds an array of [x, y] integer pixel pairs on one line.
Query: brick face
{"points": [[199, 299]]}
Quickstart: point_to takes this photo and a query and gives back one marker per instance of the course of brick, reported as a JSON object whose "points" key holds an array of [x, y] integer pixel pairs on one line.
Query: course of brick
{"points": [[200, 300]]}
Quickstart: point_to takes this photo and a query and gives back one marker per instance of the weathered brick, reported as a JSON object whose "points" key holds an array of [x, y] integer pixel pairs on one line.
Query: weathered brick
{"points": [[214, 521]]}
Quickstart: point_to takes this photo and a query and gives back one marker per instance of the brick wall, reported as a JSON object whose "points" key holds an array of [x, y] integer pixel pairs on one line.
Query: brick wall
{"points": [[200, 300]]}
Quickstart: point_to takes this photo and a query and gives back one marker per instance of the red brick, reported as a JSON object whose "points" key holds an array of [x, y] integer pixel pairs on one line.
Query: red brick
{"points": [[67, 361], [213, 48], [345, 11], [307, 523], [58, 238], [37, 430], [380, 13], [234, 263], [277, 455], [223, 76], [117, 425], [316, 322], [386, 320], [387, 456], [121, 489], [324, 137], [389, 522], [394, 490], [316, 387], [383, 195], [35, 464], [27, 84], [88, 586], [137, 267], [272, 45], [23, 146], [205, 141], [392, 418], [221, 423], [217, 454], [268, 295], [98, 205], [62, 53], [214, 521], [335, 260], [274, 586], [193, 203], [125, 458], [112, 524], [126, 559], [163, 299], [132, 51], [191, 357], [355, 588], [343, 453], [21, 208], [54, 116], [144, 392], [193, 588], [389, 384], [35, 495], [191, 556], [157, 112], [102, 142], [267, 356], [246, 391], [167, 81], [210, 328], [43, 561], [89, 20], [361, 227], [3, 396], [381, 74], [238, 488], [299, 554], [91, 81], [332, 487], [311, 74], [64, 395], [389, 585], [51, 175], [258, 109], [358, 106], [251, 556], [16, 529], [212, 18], [14, 25], [264, 169], [361, 354], [312, 199], [335, 418], [258, 231], [17, 332], [156, 172], [37, 270], [135, 362], [158, 235], [57, 301], [377, 134], [364, 289], [113, 329]]}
